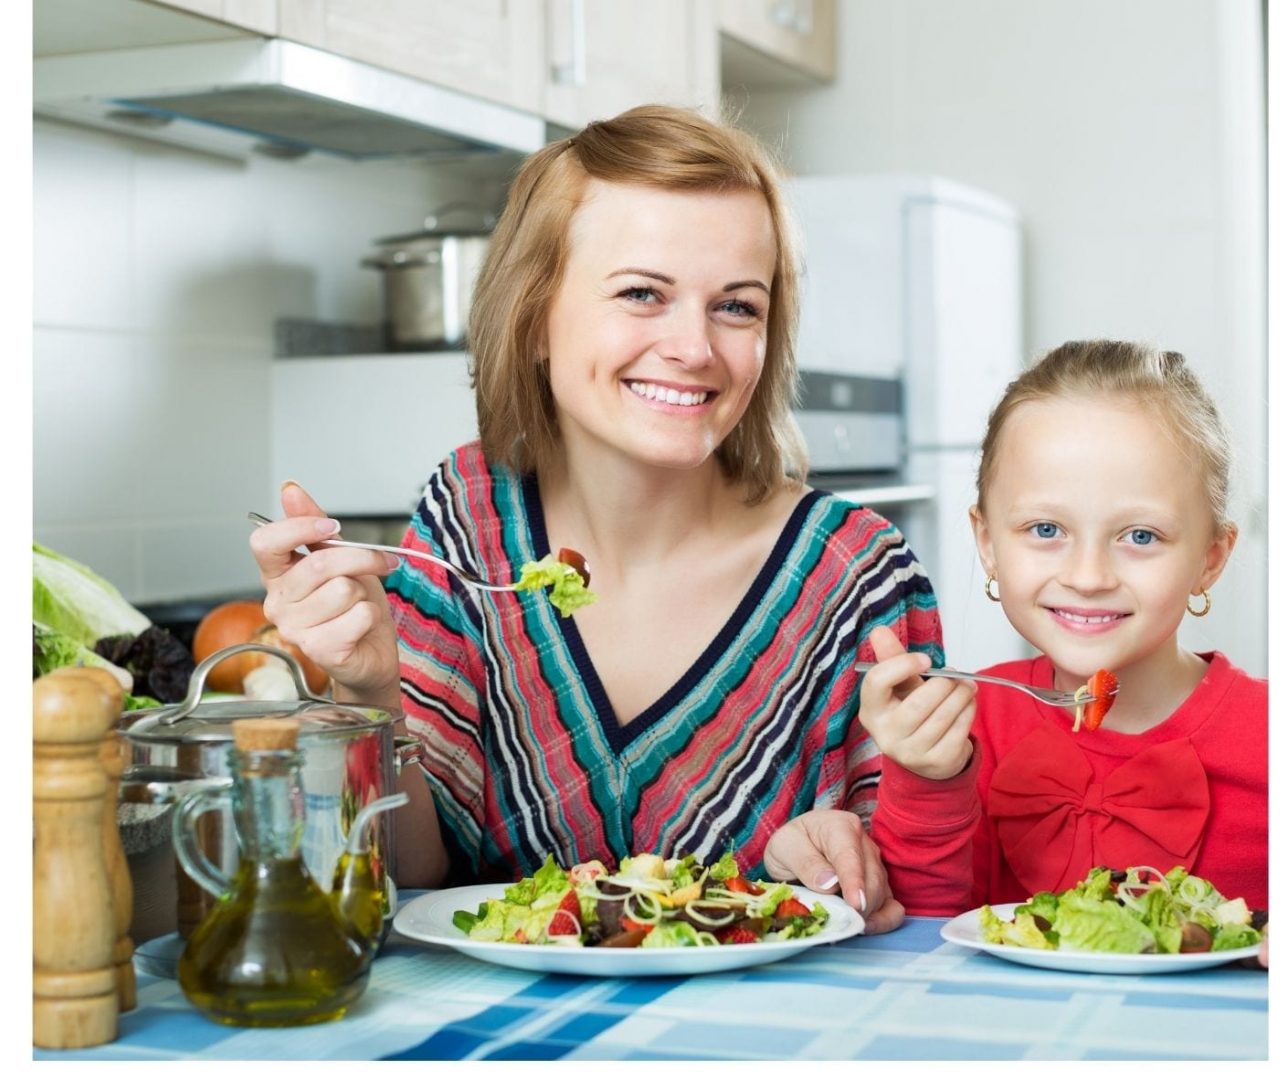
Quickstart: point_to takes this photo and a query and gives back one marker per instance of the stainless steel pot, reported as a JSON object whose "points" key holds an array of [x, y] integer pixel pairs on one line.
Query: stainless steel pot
{"points": [[349, 761], [429, 278]]}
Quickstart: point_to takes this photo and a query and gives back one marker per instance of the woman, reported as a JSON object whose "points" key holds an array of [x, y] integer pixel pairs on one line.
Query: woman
{"points": [[631, 335]]}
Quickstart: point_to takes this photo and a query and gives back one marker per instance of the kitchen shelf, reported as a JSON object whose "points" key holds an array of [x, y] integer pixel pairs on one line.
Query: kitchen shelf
{"points": [[890, 495]]}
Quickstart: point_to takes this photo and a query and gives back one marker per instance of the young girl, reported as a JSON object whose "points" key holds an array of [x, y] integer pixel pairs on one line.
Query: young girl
{"points": [[1100, 521]]}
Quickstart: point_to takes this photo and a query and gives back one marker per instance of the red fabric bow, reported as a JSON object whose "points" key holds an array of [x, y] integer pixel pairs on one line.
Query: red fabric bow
{"points": [[1055, 822]]}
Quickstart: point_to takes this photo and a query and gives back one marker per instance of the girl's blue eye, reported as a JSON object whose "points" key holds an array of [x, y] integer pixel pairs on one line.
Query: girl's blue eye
{"points": [[1045, 530], [740, 307], [1142, 537], [640, 293]]}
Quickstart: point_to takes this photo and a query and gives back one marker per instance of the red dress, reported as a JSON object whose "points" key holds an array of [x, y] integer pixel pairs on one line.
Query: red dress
{"points": [[1190, 791]]}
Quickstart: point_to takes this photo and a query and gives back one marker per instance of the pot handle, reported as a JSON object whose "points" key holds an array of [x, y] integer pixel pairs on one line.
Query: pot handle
{"points": [[197, 683], [184, 829], [485, 217]]}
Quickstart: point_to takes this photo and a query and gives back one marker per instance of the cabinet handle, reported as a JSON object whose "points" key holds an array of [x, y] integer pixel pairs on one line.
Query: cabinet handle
{"points": [[794, 15], [573, 73]]}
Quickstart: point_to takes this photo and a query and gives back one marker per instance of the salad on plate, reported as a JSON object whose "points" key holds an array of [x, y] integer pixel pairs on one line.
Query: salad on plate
{"points": [[1137, 910], [648, 902]]}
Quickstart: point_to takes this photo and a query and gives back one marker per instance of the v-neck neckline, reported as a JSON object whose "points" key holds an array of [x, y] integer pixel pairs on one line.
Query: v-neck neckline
{"points": [[619, 736]]}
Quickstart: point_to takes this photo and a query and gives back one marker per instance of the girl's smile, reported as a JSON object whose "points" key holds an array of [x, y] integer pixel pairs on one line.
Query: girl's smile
{"points": [[1087, 620]]}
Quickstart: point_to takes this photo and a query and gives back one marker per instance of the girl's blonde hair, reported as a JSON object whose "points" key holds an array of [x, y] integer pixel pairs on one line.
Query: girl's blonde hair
{"points": [[1151, 377], [655, 146]]}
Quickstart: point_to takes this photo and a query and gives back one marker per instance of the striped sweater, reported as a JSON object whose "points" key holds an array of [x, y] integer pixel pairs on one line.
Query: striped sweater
{"points": [[522, 751]]}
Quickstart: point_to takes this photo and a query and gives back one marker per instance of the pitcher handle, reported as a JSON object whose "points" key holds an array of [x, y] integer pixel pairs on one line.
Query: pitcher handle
{"points": [[190, 852]]}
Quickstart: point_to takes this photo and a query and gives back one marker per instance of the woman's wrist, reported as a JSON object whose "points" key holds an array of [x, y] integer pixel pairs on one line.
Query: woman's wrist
{"points": [[387, 696]]}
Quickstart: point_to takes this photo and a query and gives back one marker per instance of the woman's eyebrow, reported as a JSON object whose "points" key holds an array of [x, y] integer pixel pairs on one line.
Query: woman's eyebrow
{"points": [[666, 279]]}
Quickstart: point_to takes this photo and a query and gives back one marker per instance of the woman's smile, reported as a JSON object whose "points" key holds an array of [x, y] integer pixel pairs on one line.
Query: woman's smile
{"points": [[670, 397]]}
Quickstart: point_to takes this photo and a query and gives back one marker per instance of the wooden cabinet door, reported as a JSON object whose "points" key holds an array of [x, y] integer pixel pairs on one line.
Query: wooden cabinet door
{"points": [[489, 48], [604, 57], [777, 42]]}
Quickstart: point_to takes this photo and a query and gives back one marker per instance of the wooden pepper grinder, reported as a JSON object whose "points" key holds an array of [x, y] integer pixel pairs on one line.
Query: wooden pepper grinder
{"points": [[74, 996], [114, 756]]}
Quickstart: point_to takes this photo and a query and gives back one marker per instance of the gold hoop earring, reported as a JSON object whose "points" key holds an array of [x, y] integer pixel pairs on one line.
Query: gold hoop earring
{"points": [[988, 589], [1207, 605]]}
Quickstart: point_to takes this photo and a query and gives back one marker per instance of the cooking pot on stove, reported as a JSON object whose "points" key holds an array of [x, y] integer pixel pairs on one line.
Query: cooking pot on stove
{"points": [[350, 760], [429, 277]]}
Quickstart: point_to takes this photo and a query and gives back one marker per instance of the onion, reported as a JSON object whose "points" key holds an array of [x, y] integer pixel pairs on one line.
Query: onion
{"points": [[235, 623]]}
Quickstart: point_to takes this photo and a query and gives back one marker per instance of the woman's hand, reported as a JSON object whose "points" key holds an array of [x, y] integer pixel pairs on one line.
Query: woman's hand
{"points": [[922, 725], [330, 602], [827, 849]]}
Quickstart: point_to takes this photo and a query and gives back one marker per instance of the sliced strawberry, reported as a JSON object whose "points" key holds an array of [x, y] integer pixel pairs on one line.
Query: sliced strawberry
{"points": [[1103, 685], [563, 924], [736, 935], [571, 904], [577, 561], [740, 884], [790, 908]]}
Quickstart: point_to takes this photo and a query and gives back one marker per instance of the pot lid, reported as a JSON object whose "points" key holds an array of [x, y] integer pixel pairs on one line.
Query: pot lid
{"points": [[471, 220], [211, 721], [199, 720]]}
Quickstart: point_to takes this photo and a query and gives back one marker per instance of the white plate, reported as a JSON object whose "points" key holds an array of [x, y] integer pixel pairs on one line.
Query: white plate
{"points": [[428, 918], [964, 930]]}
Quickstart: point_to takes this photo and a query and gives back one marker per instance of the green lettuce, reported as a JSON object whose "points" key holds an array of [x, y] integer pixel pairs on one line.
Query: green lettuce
{"points": [[669, 934], [567, 590], [51, 650], [1101, 926], [1234, 936], [549, 878], [1159, 913], [70, 598]]}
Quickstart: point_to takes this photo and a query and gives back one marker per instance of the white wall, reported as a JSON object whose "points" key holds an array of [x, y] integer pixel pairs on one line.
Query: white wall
{"points": [[1130, 136], [158, 274]]}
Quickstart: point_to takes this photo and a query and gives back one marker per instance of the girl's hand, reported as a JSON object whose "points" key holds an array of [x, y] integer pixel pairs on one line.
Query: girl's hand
{"points": [[827, 849], [330, 602], [923, 725]]}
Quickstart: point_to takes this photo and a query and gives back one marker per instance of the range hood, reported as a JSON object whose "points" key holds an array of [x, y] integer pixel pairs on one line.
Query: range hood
{"points": [[275, 97]]}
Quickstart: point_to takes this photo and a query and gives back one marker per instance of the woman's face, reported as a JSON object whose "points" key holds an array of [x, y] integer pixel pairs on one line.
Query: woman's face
{"points": [[656, 336]]}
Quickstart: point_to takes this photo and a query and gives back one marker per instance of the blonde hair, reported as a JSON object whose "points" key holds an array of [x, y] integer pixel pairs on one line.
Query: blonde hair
{"points": [[655, 146], [1153, 378]]}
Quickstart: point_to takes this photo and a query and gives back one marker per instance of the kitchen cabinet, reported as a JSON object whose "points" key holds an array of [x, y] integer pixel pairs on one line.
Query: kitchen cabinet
{"points": [[568, 61], [607, 57], [257, 15], [777, 43], [489, 48]]}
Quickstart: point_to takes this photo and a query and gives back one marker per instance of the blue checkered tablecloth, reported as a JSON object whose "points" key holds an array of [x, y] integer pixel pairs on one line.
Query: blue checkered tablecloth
{"points": [[903, 995]]}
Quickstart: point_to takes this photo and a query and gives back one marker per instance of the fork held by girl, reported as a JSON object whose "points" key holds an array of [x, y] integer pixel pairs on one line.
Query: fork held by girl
{"points": [[1101, 516]]}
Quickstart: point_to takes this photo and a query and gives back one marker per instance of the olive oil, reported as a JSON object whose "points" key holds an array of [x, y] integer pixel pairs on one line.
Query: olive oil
{"points": [[273, 954], [275, 950]]}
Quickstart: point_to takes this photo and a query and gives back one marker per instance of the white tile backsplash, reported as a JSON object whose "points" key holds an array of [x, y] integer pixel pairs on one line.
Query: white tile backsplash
{"points": [[158, 275], [89, 431], [81, 229], [109, 548]]}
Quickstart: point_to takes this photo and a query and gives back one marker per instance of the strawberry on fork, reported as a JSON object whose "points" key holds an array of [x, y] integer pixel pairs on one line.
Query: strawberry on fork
{"points": [[1096, 699]]}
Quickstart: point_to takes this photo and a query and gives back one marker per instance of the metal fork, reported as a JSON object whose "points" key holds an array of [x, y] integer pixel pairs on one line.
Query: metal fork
{"points": [[1063, 698], [472, 580]]}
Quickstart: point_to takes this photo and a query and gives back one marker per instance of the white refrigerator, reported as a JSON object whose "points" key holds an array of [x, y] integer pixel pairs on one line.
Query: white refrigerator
{"points": [[920, 278]]}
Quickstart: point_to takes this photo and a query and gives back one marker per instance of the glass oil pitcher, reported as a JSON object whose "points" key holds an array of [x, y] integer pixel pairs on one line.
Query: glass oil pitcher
{"points": [[276, 950]]}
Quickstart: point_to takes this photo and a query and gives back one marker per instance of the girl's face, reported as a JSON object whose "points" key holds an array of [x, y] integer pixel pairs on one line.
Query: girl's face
{"points": [[1098, 530], [656, 336]]}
